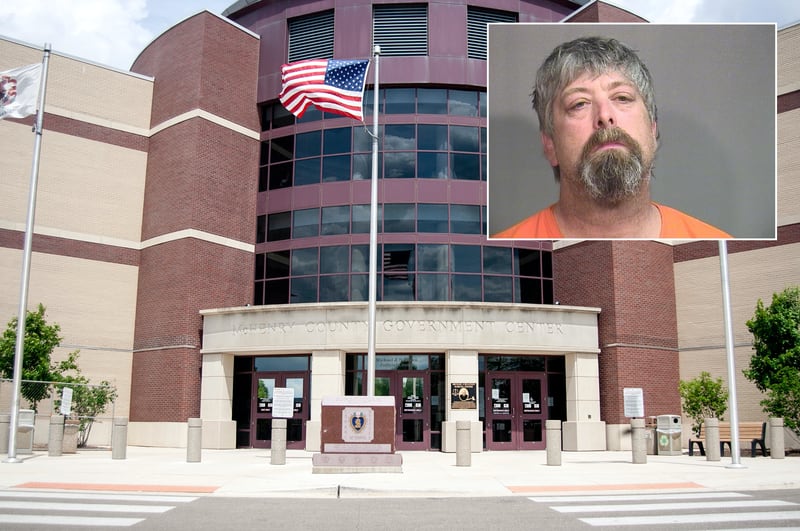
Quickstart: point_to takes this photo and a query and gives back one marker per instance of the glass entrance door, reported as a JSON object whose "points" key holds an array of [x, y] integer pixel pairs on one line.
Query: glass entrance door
{"points": [[264, 385], [514, 411], [412, 405]]}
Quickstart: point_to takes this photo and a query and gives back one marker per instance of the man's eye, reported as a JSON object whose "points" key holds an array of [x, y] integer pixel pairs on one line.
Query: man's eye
{"points": [[578, 105]]}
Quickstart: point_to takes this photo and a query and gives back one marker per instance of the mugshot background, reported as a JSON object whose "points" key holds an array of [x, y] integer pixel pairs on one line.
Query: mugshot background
{"points": [[715, 91]]}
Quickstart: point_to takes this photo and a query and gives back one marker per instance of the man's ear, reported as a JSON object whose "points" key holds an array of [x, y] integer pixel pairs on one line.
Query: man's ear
{"points": [[549, 149]]}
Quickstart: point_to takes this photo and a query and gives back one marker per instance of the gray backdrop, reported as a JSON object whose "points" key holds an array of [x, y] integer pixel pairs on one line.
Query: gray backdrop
{"points": [[715, 91]]}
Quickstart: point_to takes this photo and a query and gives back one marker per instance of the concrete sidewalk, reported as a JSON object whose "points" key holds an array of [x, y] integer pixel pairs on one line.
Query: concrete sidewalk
{"points": [[425, 474]]}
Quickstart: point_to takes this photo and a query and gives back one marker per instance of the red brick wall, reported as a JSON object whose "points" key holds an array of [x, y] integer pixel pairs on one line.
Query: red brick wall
{"points": [[201, 176], [206, 63], [633, 284]]}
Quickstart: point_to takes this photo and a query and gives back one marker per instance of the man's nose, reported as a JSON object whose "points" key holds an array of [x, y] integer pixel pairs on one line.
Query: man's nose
{"points": [[604, 115]]}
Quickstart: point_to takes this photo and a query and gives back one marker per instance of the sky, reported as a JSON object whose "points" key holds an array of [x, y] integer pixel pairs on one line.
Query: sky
{"points": [[114, 32]]}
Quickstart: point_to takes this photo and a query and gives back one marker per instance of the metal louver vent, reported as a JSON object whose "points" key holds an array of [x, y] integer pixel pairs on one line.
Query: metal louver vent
{"points": [[477, 19], [311, 37], [401, 29]]}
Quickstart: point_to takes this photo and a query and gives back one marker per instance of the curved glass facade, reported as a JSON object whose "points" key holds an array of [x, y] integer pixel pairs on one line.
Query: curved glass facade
{"points": [[312, 242]]}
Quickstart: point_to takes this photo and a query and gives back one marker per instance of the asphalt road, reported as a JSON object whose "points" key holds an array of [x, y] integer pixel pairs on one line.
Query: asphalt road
{"points": [[23, 510]]}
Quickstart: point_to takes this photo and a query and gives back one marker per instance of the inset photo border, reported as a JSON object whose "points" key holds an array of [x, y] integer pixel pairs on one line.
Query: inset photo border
{"points": [[715, 89]]}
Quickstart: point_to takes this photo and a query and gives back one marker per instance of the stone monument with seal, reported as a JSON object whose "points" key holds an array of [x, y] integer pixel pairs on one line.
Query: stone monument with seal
{"points": [[358, 434]]}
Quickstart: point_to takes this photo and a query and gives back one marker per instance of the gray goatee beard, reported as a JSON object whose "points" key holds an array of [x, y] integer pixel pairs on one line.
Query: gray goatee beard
{"points": [[612, 175]]}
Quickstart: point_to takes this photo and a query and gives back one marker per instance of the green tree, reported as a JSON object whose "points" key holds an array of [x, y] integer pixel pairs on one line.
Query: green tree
{"points": [[88, 401], [775, 365], [40, 341], [703, 398]]}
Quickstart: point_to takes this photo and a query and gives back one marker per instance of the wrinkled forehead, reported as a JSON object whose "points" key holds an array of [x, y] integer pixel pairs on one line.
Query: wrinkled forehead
{"points": [[606, 79]]}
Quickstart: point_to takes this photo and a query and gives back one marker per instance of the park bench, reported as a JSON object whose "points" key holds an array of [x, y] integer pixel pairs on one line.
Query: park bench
{"points": [[755, 432]]}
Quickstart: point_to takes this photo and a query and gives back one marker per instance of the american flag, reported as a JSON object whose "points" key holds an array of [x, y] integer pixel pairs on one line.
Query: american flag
{"points": [[332, 85]]}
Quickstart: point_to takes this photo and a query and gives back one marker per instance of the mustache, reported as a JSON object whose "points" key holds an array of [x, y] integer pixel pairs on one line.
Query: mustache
{"points": [[609, 135]]}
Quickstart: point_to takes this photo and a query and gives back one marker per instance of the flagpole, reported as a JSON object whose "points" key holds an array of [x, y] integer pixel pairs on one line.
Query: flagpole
{"points": [[733, 403], [373, 233], [22, 313]]}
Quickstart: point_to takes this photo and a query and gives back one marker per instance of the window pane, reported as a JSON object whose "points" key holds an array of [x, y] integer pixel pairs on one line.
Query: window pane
{"points": [[361, 219], [399, 165], [431, 101], [465, 219], [547, 264], [304, 261], [464, 102], [336, 168], [258, 293], [466, 287], [398, 288], [334, 288], [336, 220], [359, 288], [337, 140], [400, 101], [281, 117], [304, 289], [497, 289], [432, 137], [464, 166], [530, 290], [431, 218], [261, 260], [359, 258], [312, 114], [305, 223], [433, 287], [276, 291], [398, 217], [399, 138], [547, 291], [334, 259], [278, 264], [433, 257], [306, 171], [465, 138], [308, 145], [278, 226], [432, 165], [482, 103], [261, 229], [280, 175], [362, 140], [527, 262], [362, 167], [281, 149], [497, 260], [398, 259], [466, 258]]}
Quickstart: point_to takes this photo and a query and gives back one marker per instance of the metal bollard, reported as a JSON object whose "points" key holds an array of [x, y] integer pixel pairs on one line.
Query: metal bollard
{"points": [[638, 442], [713, 451], [55, 437], [463, 443], [277, 454], [119, 438], [194, 440], [553, 441], [777, 450]]}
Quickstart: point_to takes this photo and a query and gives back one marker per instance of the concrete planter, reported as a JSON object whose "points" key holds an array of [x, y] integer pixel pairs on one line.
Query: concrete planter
{"points": [[70, 445]]}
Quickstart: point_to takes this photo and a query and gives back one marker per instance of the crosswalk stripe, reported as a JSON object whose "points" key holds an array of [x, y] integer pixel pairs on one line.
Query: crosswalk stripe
{"points": [[683, 506], [82, 521], [95, 507], [638, 497], [692, 518], [96, 496]]}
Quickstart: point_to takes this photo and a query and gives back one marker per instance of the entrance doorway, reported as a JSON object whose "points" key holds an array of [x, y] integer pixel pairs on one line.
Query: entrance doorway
{"points": [[413, 422], [264, 385], [417, 382], [514, 410]]}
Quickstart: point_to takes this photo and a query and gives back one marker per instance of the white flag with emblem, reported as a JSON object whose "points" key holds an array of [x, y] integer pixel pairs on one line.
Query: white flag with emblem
{"points": [[19, 90]]}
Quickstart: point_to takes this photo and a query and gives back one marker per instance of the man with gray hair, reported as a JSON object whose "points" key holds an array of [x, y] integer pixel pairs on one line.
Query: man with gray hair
{"points": [[598, 125]]}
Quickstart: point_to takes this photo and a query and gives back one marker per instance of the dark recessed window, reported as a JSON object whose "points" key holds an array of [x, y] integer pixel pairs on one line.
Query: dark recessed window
{"points": [[279, 226], [307, 171], [277, 264], [465, 258]]}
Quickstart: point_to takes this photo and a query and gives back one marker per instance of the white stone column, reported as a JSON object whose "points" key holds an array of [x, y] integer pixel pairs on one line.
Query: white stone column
{"points": [[583, 429], [461, 367], [327, 375], [216, 401]]}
